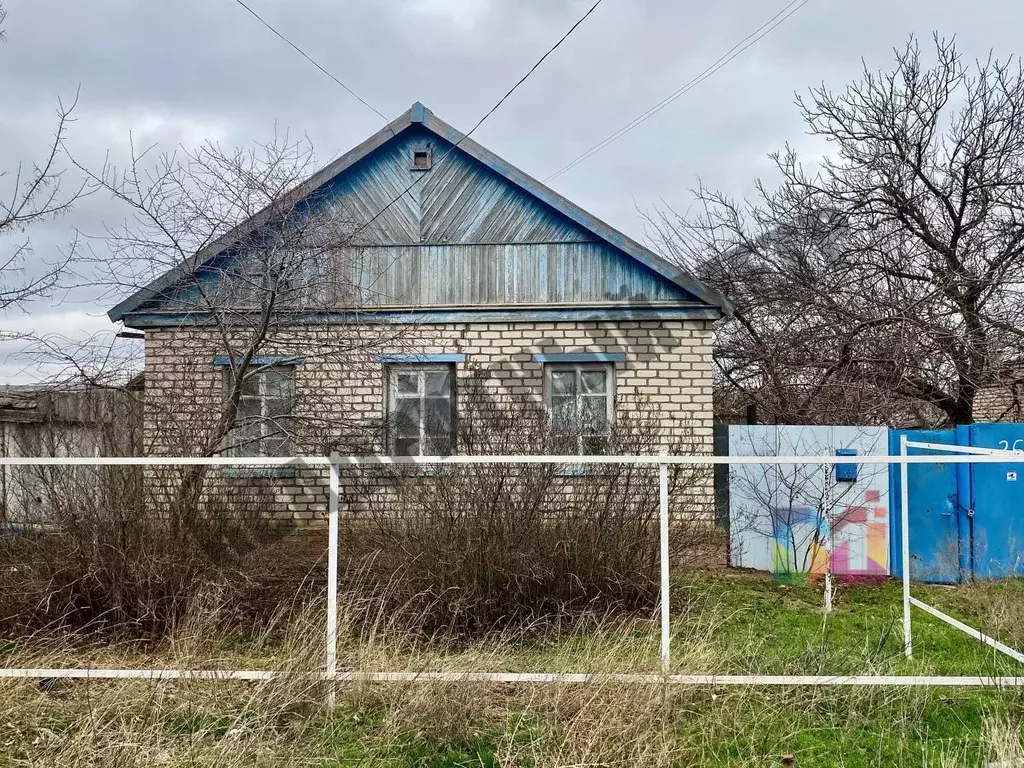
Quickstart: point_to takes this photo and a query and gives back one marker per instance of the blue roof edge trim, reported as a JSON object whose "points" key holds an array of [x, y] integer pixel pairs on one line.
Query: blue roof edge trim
{"points": [[421, 358], [418, 114], [581, 357], [436, 316], [262, 360]]}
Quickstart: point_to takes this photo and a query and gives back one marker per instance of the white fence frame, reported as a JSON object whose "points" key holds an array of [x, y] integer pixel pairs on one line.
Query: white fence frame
{"points": [[908, 599], [332, 676]]}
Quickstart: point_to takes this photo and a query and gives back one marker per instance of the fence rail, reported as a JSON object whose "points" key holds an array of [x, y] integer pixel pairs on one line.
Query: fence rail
{"points": [[997, 457], [336, 463]]}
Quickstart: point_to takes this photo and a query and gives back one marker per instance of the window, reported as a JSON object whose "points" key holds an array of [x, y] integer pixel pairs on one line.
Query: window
{"points": [[421, 401], [581, 404], [264, 410], [421, 160]]}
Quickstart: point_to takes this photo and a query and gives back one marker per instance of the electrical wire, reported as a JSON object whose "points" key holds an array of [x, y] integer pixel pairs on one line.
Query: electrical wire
{"points": [[480, 122], [312, 61], [758, 34]]}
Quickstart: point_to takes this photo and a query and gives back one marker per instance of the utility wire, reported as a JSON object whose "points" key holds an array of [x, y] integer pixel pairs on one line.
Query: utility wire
{"points": [[312, 61], [480, 122], [532, 69], [751, 39]]}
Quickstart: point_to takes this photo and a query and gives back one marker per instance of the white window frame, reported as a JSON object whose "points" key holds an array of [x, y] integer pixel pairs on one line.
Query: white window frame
{"points": [[267, 423], [391, 372], [579, 369]]}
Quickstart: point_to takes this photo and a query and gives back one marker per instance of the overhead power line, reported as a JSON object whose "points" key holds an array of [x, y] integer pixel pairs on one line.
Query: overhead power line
{"points": [[765, 29], [480, 122], [311, 60], [532, 69]]}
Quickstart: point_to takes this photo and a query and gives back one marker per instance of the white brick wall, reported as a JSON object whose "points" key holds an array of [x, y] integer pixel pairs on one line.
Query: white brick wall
{"points": [[667, 364]]}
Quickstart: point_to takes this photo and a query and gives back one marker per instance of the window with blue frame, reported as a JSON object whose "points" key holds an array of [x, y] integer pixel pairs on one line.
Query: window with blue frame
{"points": [[421, 409], [263, 424], [581, 404]]}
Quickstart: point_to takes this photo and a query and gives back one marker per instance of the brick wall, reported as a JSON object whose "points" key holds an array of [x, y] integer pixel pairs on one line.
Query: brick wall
{"points": [[1003, 403], [340, 388]]}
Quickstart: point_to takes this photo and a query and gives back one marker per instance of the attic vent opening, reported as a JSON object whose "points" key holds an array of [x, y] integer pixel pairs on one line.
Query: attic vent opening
{"points": [[421, 160]]}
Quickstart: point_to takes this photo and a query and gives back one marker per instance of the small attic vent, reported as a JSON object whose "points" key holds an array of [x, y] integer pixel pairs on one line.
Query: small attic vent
{"points": [[421, 160]]}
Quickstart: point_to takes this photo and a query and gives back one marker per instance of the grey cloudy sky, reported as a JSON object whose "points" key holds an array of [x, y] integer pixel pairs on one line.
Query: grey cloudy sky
{"points": [[172, 73]]}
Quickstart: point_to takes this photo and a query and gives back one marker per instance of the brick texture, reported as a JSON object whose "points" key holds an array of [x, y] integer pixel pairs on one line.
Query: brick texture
{"points": [[340, 388]]}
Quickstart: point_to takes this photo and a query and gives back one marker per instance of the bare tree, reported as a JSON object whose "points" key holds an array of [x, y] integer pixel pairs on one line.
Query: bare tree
{"points": [[33, 193], [242, 245], [885, 286]]}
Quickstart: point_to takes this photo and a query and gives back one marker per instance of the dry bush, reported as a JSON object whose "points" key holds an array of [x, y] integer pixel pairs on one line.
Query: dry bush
{"points": [[471, 549], [120, 549]]}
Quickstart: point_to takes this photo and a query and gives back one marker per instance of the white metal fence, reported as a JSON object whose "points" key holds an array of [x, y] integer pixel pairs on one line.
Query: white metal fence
{"points": [[336, 464]]}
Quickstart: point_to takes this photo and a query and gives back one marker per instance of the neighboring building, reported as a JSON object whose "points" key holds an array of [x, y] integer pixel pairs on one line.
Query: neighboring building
{"points": [[1000, 403], [60, 421], [476, 271]]}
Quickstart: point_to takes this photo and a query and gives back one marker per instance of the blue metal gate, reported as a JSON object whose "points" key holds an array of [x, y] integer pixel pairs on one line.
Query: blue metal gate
{"points": [[996, 529], [966, 520]]}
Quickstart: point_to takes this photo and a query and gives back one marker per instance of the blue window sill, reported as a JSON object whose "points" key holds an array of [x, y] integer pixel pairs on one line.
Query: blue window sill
{"points": [[574, 471], [419, 470], [259, 471]]}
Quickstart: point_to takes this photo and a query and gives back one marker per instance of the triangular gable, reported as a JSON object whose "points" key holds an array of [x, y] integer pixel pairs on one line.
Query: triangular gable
{"points": [[471, 197]]}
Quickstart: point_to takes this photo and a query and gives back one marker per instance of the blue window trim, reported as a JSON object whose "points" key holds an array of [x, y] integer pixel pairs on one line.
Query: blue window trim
{"points": [[225, 360], [421, 358], [582, 357], [250, 471]]}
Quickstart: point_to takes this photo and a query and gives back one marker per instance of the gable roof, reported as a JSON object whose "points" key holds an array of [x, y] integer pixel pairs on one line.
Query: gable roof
{"points": [[419, 115]]}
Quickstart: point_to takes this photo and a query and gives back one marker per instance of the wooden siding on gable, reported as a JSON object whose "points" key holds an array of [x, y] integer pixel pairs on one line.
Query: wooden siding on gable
{"points": [[420, 216], [531, 273], [463, 235]]}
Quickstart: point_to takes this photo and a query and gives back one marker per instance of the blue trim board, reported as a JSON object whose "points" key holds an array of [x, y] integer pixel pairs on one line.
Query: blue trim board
{"points": [[420, 358], [581, 357], [260, 361], [426, 317]]}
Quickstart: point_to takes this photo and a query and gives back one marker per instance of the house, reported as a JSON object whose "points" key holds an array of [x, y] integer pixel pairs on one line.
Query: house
{"points": [[465, 268]]}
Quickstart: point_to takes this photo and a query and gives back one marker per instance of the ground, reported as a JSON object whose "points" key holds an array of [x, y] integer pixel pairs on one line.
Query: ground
{"points": [[723, 622]]}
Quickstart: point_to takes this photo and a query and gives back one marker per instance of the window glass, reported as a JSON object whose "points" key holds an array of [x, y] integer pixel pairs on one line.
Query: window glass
{"points": [[581, 402], [420, 408], [262, 424]]}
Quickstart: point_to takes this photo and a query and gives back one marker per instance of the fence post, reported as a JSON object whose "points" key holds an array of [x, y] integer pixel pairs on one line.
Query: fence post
{"points": [[905, 539], [663, 488], [331, 670]]}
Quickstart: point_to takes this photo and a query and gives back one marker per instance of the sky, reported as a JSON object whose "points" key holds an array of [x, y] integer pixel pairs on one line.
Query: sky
{"points": [[171, 74]]}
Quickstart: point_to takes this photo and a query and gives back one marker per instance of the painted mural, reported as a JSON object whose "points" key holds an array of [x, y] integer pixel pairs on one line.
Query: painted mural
{"points": [[802, 521]]}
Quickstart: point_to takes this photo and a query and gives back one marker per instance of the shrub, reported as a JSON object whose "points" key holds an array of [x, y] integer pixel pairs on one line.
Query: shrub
{"points": [[122, 549], [467, 549]]}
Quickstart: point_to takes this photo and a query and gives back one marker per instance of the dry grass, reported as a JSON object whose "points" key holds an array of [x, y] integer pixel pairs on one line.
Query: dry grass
{"points": [[284, 722]]}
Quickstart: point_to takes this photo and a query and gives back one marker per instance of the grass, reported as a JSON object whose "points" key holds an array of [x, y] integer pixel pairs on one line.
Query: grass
{"points": [[731, 622]]}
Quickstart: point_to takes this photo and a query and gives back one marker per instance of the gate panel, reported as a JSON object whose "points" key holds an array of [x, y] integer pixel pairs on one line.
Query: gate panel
{"points": [[933, 515], [997, 501]]}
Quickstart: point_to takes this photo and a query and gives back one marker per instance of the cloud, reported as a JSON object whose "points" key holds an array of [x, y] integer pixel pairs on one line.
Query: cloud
{"points": [[182, 72]]}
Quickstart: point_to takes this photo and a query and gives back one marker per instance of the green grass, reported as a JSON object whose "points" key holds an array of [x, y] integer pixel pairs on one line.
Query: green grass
{"points": [[722, 623]]}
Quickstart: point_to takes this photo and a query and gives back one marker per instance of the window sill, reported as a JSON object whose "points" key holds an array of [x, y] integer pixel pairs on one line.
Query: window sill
{"points": [[259, 471], [574, 470], [419, 470]]}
